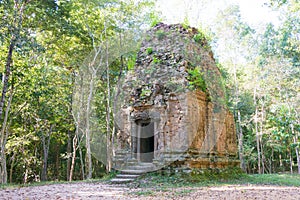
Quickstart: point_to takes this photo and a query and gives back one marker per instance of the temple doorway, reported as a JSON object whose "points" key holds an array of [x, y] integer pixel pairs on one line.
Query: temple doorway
{"points": [[144, 150]]}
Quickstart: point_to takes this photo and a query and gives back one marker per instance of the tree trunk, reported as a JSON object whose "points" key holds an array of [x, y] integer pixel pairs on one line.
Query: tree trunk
{"points": [[297, 155], [262, 153], [271, 161], [69, 155], [256, 131], [17, 24], [87, 130], [3, 170], [69, 145], [260, 138], [291, 161], [4, 135], [25, 175], [81, 161], [7, 74], [108, 135], [46, 146], [295, 138], [257, 140], [93, 70], [11, 167], [240, 143], [281, 162], [73, 158], [57, 162], [77, 139]]}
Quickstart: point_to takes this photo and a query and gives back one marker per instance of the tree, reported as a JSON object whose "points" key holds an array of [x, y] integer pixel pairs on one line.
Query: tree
{"points": [[234, 35], [14, 28], [97, 76]]}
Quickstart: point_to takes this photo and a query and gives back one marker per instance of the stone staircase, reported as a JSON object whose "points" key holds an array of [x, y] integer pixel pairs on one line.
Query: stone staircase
{"points": [[130, 173]]}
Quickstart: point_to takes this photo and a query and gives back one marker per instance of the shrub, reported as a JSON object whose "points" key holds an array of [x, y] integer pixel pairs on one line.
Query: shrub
{"points": [[160, 34], [196, 80], [149, 50]]}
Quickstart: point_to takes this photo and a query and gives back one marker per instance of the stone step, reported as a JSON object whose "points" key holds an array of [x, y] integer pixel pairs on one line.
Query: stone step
{"points": [[143, 168], [121, 180], [146, 164], [133, 171], [130, 173], [127, 176]]}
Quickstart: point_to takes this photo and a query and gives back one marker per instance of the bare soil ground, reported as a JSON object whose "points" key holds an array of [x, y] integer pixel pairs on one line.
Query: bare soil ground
{"points": [[106, 191]]}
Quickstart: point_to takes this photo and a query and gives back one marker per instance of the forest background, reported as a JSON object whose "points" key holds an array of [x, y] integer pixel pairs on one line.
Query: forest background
{"points": [[51, 87]]}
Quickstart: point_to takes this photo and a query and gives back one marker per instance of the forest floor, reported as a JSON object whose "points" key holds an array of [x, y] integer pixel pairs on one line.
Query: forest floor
{"points": [[157, 186], [100, 190]]}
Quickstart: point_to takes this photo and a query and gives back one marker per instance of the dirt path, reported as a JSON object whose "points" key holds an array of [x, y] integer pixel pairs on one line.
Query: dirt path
{"points": [[111, 192]]}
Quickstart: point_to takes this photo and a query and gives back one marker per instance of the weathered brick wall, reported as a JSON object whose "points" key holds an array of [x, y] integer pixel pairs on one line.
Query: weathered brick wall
{"points": [[191, 126]]}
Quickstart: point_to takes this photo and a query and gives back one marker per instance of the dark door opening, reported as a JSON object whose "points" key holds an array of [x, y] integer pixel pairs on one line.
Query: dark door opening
{"points": [[145, 140]]}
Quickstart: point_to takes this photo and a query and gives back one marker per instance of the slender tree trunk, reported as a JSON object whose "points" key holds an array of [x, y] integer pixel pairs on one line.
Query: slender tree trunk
{"points": [[281, 162], [57, 162], [240, 141], [93, 70], [11, 168], [17, 24], [291, 161], [297, 155], [260, 138], [3, 170], [257, 141], [4, 135], [69, 154], [239, 121], [256, 132], [81, 162], [77, 139], [6, 75], [108, 134], [271, 161], [69, 145], [295, 138], [87, 130], [73, 158], [46, 145], [25, 175], [262, 153], [117, 94]]}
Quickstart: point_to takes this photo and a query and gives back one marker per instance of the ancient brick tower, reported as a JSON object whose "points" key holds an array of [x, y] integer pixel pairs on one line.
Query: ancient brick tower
{"points": [[172, 107]]}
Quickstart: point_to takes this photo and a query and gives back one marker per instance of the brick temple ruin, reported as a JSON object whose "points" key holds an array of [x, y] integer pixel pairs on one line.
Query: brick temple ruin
{"points": [[165, 117]]}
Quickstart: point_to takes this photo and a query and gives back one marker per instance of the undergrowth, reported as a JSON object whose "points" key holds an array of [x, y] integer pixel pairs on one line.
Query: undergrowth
{"points": [[211, 177]]}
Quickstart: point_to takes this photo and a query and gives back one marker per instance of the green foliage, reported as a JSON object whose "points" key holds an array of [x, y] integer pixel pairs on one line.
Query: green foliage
{"points": [[275, 179], [186, 22], [199, 37], [154, 19], [165, 181], [174, 86], [131, 62], [144, 193], [145, 93], [196, 80], [184, 192], [222, 175], [160, 34], [109, 176], [156, 60], [149, 50], [45, 61]]}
